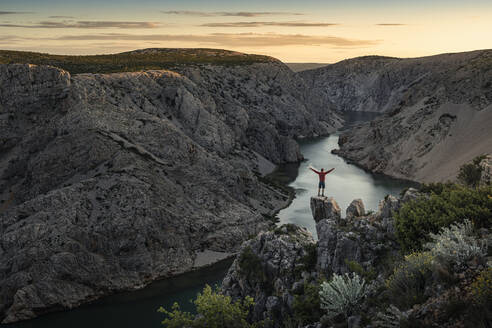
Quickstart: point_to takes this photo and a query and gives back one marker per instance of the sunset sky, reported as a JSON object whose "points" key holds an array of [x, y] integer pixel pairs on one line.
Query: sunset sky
{"points": [[293, 31]]}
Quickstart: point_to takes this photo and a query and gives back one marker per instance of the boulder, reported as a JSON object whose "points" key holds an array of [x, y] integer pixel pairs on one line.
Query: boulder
{"points": [[411, 194], [325, 208], [388, 205], [355, 209]]}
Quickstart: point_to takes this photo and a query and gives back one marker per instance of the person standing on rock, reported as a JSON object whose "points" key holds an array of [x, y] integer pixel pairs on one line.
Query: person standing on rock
{"points": [[321, 174]]}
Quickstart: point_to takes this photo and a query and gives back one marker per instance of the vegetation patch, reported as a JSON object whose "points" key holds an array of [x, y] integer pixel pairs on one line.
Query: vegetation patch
{"points": [[343, 295], [139, 60], [214, 310], [409, 280], [357, 268], [470, 174], [456, 245], [251, 267], [447, 204], [306, 307]]}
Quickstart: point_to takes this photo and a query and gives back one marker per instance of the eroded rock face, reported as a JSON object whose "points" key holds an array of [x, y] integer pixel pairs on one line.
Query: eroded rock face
{"points": [[108, 182], [438, 111], [270, 269], [363, 240]]}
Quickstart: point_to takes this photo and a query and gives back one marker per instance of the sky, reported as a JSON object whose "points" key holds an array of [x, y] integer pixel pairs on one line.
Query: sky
{"points": [[294, 31]]}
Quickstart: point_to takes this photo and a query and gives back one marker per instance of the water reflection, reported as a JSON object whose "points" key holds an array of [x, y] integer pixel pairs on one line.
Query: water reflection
{"points": [[137, 308], [345, 184]]}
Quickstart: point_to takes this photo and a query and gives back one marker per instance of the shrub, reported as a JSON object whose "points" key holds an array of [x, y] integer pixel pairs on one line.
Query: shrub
{"points": [[471, 173], [391, 318], [214, 310], [306, 307], [480, 310], [408, 282], [436, 188], [481, 288], [308, 261], [250, 266], [343, 294], [416, 219], [355, 267], [455, 245]]}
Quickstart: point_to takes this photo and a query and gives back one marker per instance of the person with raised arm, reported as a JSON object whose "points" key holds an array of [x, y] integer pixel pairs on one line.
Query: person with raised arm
{"points": [[321, 174]]}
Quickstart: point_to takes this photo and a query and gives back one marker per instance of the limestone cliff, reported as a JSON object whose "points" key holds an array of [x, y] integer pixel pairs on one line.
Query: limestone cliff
{"points": [[109, 181], [438, 111]]}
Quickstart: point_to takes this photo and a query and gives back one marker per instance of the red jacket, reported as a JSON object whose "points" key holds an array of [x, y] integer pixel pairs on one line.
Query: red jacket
{"points": [[321, 174]]}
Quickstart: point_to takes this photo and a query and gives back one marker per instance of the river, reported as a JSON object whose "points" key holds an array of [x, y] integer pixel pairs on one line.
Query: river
{"points": [[346, 183], [139, 308]]}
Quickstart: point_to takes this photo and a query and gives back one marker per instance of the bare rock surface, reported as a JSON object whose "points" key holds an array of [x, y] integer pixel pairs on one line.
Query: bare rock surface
{"points": [[438, 111], [355, 209], [325, 208], [110, 181], [268, 268]]}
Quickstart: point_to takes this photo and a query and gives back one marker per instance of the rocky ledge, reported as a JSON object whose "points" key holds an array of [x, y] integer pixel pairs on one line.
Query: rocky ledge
{"points": [[278, 268]]}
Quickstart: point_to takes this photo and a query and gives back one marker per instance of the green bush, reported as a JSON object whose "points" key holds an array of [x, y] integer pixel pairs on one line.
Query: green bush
{"points": [[456, 245], [481, 288], [214, 310], [451, 203], [355, 267], [471, 173], [391, 318], [250, 266], [306, 307], [308, 261], [408, 282], [343, 295]]}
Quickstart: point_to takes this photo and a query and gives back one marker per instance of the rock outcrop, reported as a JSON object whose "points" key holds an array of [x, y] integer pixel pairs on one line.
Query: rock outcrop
{"points": [[277, 267], [270, 268], [437, 111], [109, 181], [355, 209], [362, 240], [325, 208]]}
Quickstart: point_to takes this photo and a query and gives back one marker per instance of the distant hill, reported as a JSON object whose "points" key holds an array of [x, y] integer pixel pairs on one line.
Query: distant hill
{"points": [[299, 67], [138, 60]]}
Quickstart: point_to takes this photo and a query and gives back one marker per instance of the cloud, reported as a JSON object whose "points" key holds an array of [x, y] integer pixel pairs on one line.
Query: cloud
{"points": [[260, 24], [228, 13], [231, 39], [391, 24], [87, 24], [67, 17], [15, 12], [10, 38]]}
